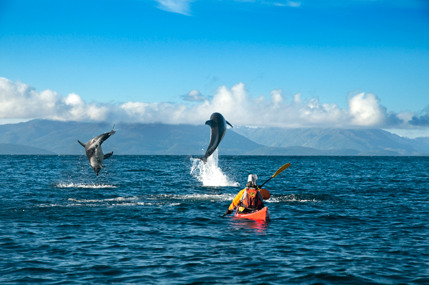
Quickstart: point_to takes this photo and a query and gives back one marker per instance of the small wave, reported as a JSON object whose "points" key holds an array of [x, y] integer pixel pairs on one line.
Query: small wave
{"points": [[209, 173], [128, 204], [60, 205], [292, 198], [211, 197], [83, 185], [118, 199], [94, 204]]}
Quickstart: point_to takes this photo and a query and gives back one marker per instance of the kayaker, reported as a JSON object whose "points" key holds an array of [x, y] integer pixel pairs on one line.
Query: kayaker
{"points": [[249, 199]]}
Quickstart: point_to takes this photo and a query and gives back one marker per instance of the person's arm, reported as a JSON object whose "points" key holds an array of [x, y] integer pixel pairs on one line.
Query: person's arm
{"points": [[236, 200], [234, 203]]}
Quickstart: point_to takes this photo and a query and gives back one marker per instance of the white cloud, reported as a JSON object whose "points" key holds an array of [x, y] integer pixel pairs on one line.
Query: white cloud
{"points": [[276, 96], [297, 98], [183, 6], [194, 96], [293, 4], [175, 6], [20, 101], [365, 110]]}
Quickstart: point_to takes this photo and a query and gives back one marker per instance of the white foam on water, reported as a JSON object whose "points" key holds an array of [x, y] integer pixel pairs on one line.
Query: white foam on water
{"points": [[290, 198], [211, 197], [127, 204], [209, 173], [118, 199], [83, 185], [160, 200], [110, 202], [220, 197]]}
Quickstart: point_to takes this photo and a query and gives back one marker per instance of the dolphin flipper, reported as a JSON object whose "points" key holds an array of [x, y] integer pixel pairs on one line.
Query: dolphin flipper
{"points": [[82, 144], [107, 155], [229, 124]]}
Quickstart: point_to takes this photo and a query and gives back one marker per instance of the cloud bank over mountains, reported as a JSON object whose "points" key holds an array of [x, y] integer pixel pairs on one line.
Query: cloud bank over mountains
{"points": [[20, 101]]}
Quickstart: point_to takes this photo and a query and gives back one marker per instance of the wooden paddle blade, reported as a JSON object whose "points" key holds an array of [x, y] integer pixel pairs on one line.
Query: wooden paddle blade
{"points": [[265, 194], [281, 169]]}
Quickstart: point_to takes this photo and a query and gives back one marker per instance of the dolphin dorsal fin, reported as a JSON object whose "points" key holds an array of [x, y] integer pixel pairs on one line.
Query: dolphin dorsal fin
{"points": [[82, 144], [229, 124]]}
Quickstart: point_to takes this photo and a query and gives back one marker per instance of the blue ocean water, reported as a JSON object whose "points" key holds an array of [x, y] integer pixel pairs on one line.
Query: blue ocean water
{"points": [[149, 220]]}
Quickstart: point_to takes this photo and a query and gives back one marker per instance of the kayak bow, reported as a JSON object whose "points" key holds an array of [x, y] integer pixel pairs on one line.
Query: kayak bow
{"points": [[261, 215]]}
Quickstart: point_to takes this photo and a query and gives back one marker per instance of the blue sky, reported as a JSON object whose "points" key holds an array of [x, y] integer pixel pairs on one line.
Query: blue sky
{"points": [[148, 53]]}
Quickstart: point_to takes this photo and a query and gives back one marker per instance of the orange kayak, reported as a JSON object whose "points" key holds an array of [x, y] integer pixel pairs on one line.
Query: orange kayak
{"points": [[261, 215]]}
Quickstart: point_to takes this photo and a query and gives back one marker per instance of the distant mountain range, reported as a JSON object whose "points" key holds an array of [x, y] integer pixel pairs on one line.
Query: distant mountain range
{"points": [[137, 139], [55, 137], [362, 141], [16, 149]]}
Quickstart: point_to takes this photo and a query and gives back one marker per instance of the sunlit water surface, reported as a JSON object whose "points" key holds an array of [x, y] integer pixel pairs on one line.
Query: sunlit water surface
{"points": [[157, 220]]}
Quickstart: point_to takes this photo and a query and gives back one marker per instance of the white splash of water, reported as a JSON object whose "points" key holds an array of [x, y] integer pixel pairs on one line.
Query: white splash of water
{"points": [[209, 173]]}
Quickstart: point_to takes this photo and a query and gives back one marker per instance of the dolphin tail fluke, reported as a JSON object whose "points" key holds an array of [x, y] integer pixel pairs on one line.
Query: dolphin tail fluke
{"points": [[229, 124], [82, 144], [112, 132], [107, 155]]}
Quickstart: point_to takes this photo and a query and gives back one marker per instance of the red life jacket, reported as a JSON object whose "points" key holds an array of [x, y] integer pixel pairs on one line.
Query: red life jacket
{"points": [[251, 199]]}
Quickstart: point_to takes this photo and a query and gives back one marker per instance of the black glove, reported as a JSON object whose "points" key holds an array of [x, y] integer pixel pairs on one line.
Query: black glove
{"points": [[228, 212]]}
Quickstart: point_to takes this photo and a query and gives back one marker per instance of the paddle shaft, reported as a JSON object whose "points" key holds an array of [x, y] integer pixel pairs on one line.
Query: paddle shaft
{"points": [[265, 182], [281, 169]]}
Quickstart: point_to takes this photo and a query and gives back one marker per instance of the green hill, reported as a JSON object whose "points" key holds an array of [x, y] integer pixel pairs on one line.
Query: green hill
{"points": [[16, 149]]}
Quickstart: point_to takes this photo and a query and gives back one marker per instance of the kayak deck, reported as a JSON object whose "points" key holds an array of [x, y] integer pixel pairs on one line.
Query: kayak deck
{"points": [[261, 215]]}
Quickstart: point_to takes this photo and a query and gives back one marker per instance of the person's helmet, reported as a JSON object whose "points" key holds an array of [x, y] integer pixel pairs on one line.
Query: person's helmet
{"points": [[252, 180]]}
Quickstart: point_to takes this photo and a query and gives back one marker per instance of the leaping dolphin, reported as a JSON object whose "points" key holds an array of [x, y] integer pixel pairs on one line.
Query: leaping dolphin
{"points": [[95, 153], [217, 124]]}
